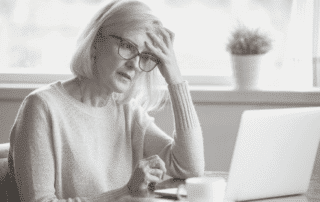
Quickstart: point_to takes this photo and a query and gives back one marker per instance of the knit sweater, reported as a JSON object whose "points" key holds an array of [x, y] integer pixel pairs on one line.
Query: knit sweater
{"points": [[64, 150]]}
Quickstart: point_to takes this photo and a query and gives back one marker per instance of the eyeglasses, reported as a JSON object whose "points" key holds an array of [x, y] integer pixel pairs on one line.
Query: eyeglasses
{"points": [[128, 51]]}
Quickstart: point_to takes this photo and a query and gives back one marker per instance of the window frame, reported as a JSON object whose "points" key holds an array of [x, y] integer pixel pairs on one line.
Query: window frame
{"points": [[46, 78], [24, 77]]}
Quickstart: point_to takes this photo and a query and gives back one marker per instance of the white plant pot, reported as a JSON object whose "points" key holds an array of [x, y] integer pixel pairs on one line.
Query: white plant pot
{"points": [[246, 70]]}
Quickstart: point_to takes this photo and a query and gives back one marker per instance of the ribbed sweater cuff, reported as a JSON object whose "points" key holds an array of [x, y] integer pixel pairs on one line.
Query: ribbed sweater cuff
{"points": [[112, 195], [183, 108]]}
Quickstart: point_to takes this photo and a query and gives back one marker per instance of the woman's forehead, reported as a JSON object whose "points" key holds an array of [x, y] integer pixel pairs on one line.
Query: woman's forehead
{"points": [[138, 37]]}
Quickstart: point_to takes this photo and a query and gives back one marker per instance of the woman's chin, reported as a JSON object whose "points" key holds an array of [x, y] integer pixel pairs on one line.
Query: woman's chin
{"points": [[122, 87]]}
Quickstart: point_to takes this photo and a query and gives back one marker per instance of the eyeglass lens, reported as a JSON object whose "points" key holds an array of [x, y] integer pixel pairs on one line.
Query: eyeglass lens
{"points": [[127, 51]]}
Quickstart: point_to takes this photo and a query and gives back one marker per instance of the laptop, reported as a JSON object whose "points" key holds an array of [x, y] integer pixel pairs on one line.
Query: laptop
{"points": [[274, 154]]}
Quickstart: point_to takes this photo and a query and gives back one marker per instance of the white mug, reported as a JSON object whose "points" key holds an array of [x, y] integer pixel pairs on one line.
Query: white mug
{"points": [[203, 189]]}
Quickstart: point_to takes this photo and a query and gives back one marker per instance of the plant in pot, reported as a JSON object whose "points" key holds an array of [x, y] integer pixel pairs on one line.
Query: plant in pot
{"points": [[248, 47]]}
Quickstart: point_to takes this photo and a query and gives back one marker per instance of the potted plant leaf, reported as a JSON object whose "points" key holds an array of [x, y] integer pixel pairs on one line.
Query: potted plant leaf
{"points": [[248, 47]]}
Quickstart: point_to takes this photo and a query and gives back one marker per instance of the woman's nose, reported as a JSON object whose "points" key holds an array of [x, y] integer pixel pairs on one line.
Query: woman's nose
{"points": [[134, 62]]}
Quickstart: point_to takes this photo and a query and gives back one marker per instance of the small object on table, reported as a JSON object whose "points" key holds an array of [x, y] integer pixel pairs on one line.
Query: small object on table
{"points": [[171, 184], [169, 187]]}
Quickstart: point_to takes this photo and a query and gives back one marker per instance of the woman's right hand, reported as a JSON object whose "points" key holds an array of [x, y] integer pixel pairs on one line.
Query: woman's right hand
{"points": [[148, 170]]}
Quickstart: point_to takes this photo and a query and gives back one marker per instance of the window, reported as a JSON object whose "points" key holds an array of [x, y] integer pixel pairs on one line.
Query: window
{"points": [[37, 37]]}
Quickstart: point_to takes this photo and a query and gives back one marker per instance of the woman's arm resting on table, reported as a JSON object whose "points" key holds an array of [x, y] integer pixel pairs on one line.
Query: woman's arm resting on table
{"points": [[184, 154]]}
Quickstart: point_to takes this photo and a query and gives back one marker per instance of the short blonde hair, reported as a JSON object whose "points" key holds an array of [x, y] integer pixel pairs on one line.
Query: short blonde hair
{"points": [[120, 16]]}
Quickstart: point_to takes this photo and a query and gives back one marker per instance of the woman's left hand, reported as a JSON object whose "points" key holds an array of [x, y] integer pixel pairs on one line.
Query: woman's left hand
{"points": [[162, 47], [146, 173]]}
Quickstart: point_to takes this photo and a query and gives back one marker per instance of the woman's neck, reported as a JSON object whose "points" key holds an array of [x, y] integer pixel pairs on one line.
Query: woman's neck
{"points": [[92, 93]]}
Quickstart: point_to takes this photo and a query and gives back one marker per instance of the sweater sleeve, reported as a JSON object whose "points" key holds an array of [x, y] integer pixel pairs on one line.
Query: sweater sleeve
{"points": [[33, 156], [184, 154]]}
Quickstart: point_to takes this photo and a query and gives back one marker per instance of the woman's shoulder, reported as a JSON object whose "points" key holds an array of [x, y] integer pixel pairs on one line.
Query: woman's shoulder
{"points": [[42, 94]]}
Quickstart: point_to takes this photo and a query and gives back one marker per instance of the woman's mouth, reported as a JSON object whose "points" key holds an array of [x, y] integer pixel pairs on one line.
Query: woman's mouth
{"points": [[124, 75]]}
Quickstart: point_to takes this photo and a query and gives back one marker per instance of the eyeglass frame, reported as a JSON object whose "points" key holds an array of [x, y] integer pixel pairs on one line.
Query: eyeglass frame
{"points": [[138, 53]]}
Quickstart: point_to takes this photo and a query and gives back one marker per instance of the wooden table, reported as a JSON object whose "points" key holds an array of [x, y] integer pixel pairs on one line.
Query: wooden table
{"points": [[312, 195]]}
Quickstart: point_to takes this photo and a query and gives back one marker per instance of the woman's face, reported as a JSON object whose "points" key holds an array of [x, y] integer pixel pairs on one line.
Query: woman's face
{"points": [[116, 74]]}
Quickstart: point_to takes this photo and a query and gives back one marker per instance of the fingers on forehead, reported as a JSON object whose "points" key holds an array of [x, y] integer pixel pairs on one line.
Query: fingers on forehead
{"points": [[160, 31], [168, 32]]}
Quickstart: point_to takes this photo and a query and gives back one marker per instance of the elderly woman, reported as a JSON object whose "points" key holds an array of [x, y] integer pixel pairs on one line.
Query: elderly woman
{"points": [[90, 138]]}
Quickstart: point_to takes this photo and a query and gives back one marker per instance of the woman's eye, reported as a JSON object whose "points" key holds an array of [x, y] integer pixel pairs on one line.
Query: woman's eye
{"points": [[154, 59], [127, 46], [147, 56]]}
